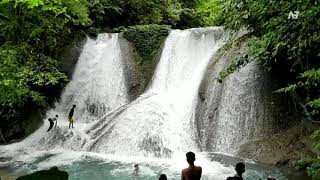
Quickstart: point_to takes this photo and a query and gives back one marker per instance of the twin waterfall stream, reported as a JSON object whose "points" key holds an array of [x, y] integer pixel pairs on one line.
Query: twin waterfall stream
{"points": [[156, 129]]}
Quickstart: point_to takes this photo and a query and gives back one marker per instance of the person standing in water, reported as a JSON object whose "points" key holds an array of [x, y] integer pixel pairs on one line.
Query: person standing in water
{"points": [[163, 177], [51, 124], [192, 172], [240, 169], [55, 119], [136, 170], [70, 116]]}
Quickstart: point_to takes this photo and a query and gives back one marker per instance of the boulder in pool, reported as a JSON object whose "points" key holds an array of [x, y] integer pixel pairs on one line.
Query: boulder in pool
{"points": [[52, 174]]}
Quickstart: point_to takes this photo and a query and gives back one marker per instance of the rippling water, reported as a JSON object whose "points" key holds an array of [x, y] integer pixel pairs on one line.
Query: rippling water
{"points": [[84, 166]]}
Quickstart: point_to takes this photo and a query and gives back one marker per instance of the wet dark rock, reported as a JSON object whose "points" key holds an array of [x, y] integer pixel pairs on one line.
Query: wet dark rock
{"points": [[15, 124], [284, 148], [52, 174], [70, 54]]}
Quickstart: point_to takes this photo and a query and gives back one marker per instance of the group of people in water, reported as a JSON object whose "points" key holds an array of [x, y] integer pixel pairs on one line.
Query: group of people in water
{"points": [[194, 172], [71, 119]]}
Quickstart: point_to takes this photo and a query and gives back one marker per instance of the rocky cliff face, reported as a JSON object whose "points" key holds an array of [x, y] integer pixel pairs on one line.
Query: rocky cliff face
{"points": [[242, 108], [69, 55], [137, 75]]}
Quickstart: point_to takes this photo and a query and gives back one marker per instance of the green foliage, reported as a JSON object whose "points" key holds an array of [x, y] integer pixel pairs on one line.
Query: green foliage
{"points": [[315, 104], [312, 167], [177, 13], [31, 31], [102, 12], [29, 21], [147, 39], [308, 81], [289, 47], [20, 76], [210, 12], [278, 39]]}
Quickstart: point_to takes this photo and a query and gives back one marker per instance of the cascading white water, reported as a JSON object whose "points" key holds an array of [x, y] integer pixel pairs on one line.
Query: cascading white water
{"points": [[98, 83], [160, 122], [97, 87], [241, 108]]}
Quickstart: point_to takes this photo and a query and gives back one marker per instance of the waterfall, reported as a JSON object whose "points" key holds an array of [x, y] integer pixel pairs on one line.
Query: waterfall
{"points": [[161, 121], [242, 108], [97, 87], [98, 83]]}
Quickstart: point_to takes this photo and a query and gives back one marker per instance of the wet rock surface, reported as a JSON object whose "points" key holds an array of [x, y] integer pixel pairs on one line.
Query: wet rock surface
{"points": [[52, 174], [138, 75], [284, 148]]}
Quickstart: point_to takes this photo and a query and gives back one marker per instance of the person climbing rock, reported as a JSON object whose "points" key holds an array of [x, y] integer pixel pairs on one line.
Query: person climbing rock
{"points": [[192, 172], [51, 124], [240, 169], [70, 116], [55, 119]]}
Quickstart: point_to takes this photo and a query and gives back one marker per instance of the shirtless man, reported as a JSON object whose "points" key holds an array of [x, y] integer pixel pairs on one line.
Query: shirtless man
{"points": [[240, 169], [192, 172]]}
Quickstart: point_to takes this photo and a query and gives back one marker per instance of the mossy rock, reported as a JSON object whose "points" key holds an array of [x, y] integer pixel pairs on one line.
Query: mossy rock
{"points": [[147, 39], [52, 174]]}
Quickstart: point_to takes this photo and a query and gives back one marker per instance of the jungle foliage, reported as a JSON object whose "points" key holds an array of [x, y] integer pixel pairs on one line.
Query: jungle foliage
{"points": [[30, 33], [287, 46]]}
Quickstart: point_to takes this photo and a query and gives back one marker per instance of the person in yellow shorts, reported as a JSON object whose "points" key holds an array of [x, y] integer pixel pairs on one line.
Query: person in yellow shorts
{"points": [[70, 116]]}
